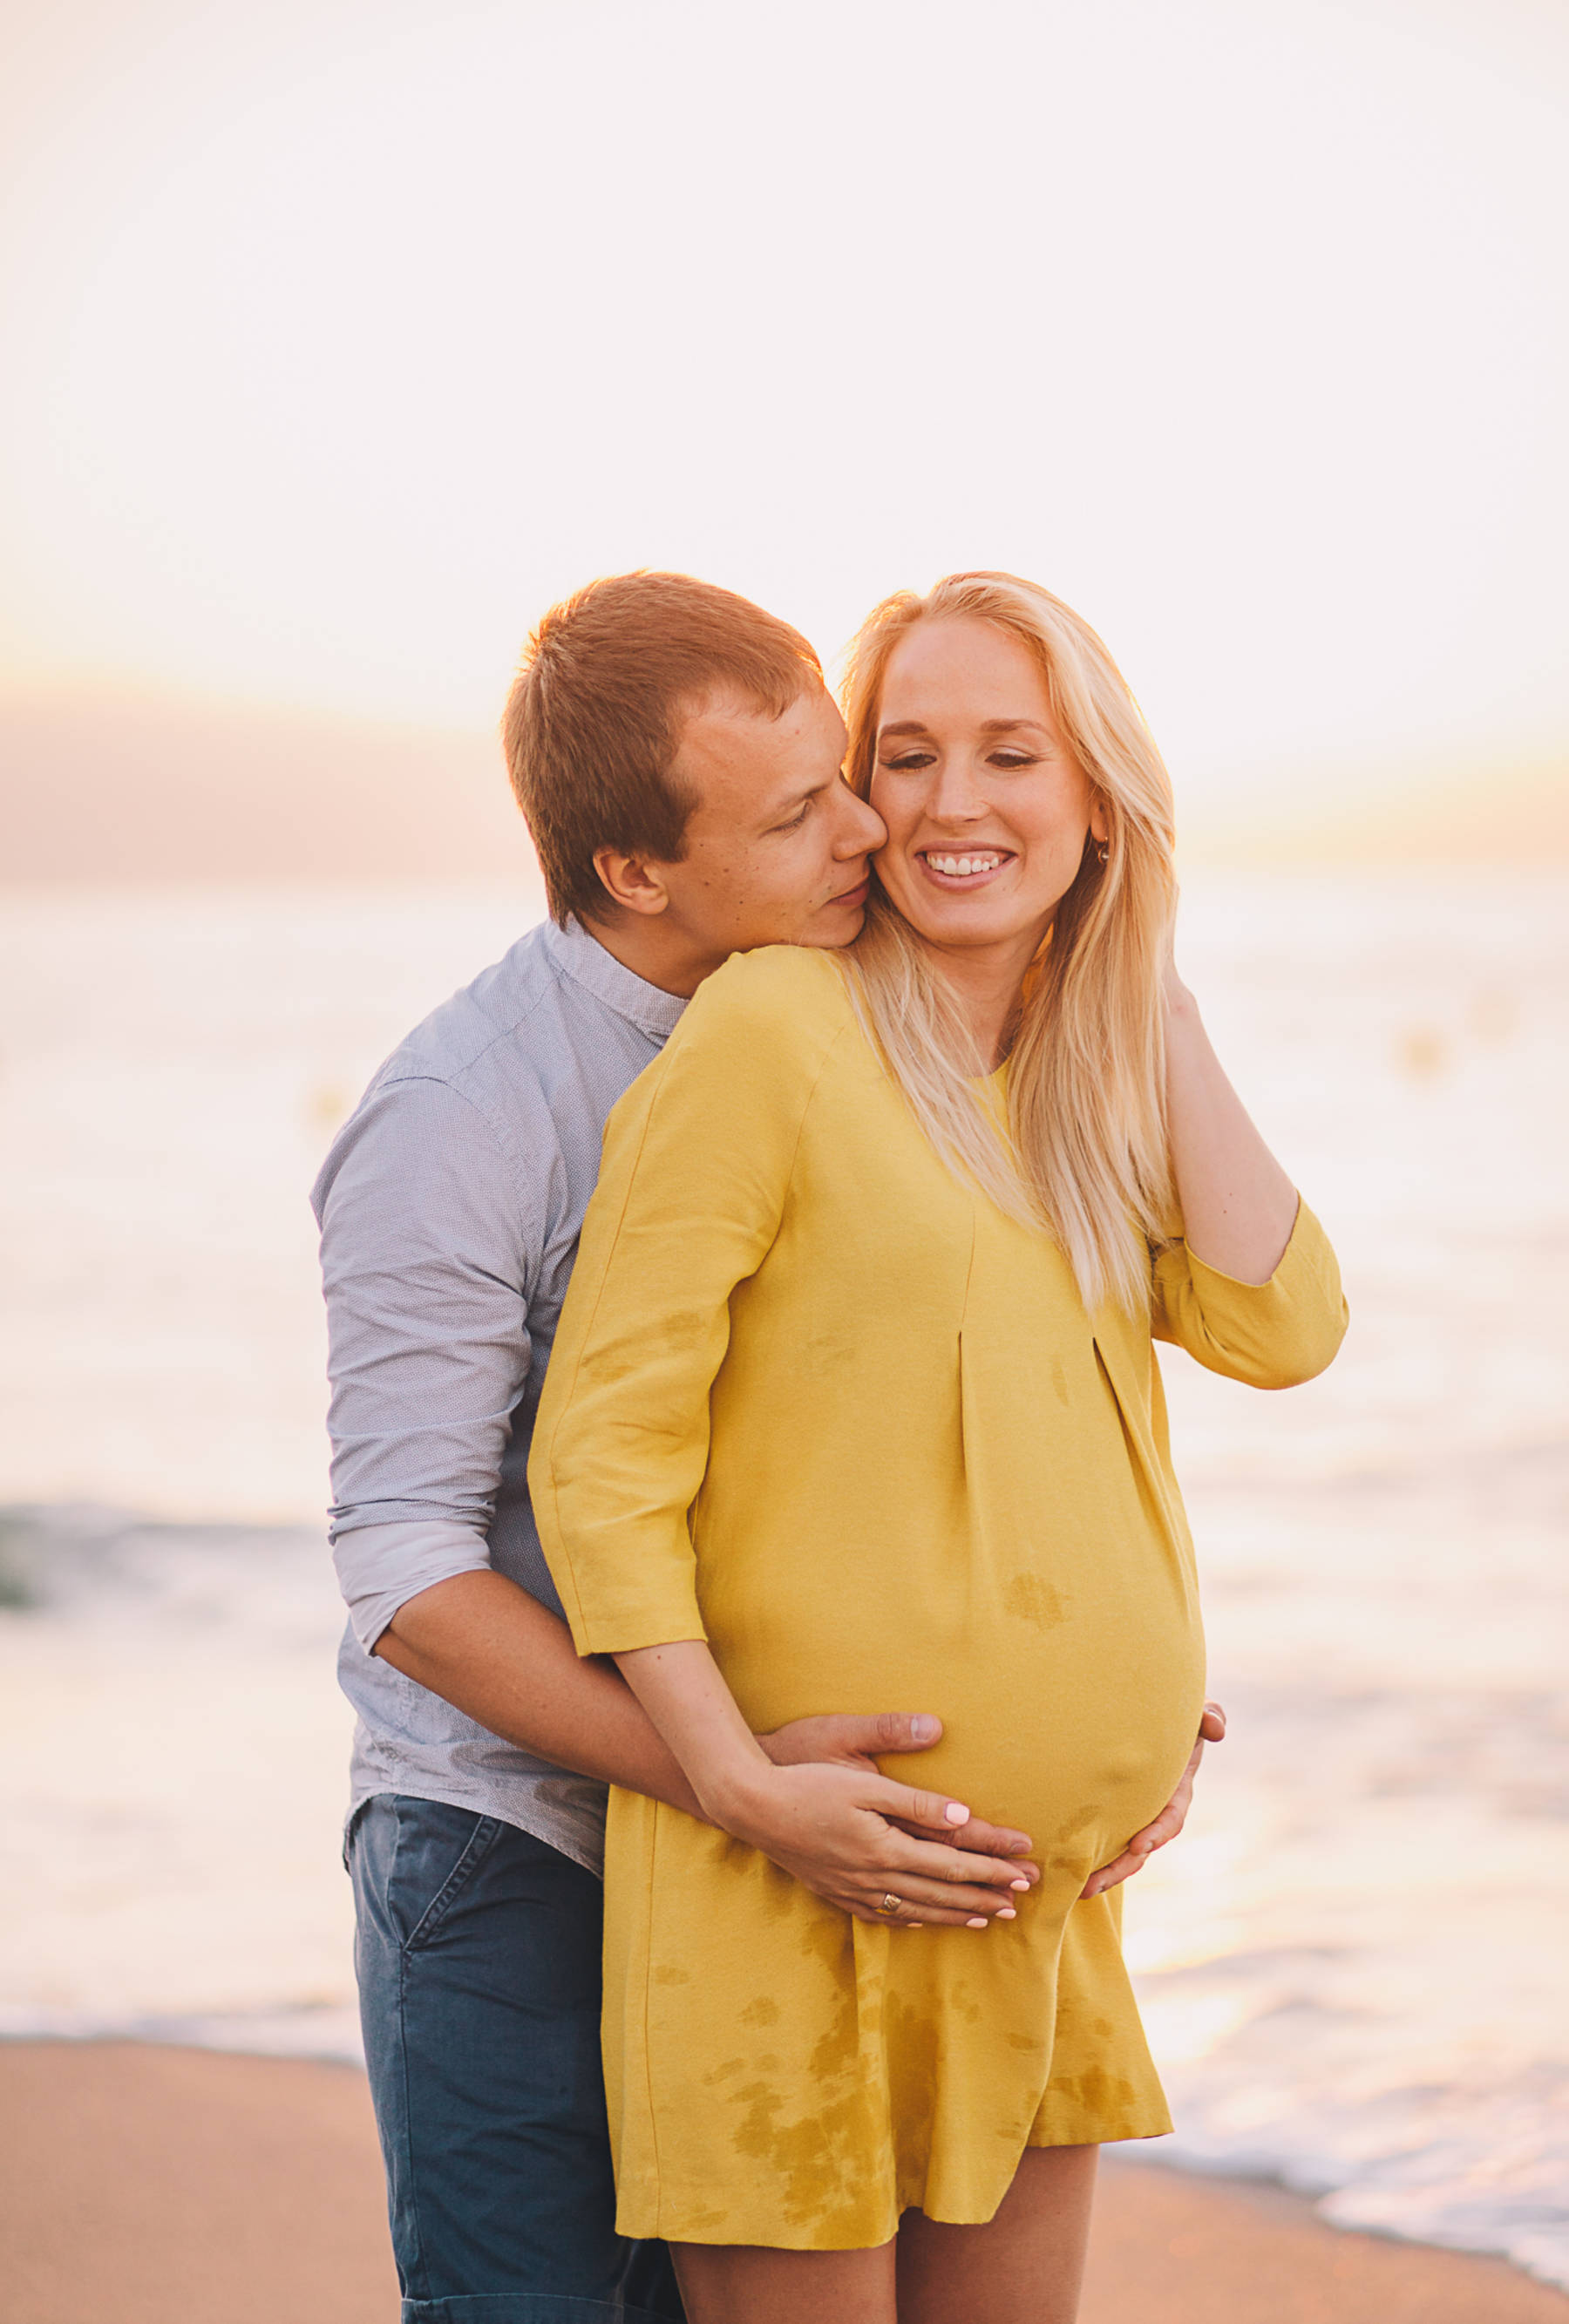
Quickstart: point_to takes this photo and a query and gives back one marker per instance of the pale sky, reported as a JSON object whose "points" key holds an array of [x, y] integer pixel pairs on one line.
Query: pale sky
{"points": [[342, 338]]}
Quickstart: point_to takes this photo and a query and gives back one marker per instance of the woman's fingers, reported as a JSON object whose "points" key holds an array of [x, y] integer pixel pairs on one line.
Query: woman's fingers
{"points": [[980, 1839], [924, 1860], [954, 1900], [929, 1809], [1111, 1876], [1167, 1824], [1212, 1727]]}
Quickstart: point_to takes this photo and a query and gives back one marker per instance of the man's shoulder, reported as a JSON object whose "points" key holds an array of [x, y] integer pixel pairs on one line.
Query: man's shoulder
{"points": [[499, 1023]]}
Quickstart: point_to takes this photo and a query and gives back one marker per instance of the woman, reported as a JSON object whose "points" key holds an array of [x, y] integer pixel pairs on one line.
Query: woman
{"points": [[853, 1393]]}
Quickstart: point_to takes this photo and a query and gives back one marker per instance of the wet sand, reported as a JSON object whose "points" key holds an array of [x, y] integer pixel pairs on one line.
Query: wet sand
{"points": [[141, 2185]]}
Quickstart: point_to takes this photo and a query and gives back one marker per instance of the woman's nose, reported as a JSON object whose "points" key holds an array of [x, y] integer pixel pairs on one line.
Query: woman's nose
{"points": [[952, 795]]}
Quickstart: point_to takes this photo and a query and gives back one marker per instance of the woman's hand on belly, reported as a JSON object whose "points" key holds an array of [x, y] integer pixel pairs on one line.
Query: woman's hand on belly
{"points": [[851, 1838], [1172, 1817], [832, 1828], [839, 1738]]}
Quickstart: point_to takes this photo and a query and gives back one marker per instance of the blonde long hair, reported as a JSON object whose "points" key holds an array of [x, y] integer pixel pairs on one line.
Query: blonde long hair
{"points": [[1086, 1154]]}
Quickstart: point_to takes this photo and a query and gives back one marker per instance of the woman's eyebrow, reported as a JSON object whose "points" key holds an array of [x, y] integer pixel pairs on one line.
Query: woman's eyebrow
{"points": [[988, 726]]}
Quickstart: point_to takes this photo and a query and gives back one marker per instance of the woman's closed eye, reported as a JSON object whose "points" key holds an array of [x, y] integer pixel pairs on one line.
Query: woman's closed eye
{"points": [[1008, 760]]}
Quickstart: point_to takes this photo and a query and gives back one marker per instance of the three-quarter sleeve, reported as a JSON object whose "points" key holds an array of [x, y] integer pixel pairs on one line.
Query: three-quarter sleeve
{"points": [[1273, 1334], [697, 1163]]}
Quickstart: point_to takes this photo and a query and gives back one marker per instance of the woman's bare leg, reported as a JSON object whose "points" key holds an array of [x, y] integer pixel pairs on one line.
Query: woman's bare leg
{"points": [[1025, 2266], [751, 2284]]}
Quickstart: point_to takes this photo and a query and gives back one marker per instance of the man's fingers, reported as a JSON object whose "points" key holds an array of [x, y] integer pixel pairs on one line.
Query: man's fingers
{"points": [[897, 1730]]}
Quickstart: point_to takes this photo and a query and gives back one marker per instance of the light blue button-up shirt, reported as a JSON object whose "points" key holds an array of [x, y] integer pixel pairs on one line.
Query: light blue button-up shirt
{"points": [[450, 1205]]}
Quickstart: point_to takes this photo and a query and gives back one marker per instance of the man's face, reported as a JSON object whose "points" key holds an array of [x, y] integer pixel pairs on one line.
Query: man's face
{"points": [[777, 843]]}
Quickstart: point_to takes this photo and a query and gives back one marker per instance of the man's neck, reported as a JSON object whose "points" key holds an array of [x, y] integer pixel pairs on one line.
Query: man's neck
{"points": [[652, 950]]}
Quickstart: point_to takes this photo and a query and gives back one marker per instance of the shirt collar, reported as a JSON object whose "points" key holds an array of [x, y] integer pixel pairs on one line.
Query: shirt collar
{"points": [[586, 961]]}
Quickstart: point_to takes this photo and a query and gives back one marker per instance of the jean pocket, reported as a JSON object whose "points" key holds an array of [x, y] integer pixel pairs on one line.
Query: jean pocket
{"points": [[440, 1850]]}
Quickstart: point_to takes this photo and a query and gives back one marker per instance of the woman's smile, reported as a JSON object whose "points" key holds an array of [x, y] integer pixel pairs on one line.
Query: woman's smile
{"points": [[960, 870]]}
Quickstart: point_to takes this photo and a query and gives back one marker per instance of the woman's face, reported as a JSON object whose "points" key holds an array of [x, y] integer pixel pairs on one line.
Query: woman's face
{"points": [[987, 810]]}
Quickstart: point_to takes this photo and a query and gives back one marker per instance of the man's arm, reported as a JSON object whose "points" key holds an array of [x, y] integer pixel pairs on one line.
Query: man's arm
{"points": [[485, 1645], [496, 1653]]}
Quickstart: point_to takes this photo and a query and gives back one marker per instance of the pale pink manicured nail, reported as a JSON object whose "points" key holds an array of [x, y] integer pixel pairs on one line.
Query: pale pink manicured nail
{"points": [[1006, 1913], [956, 1813], [975, 1925], [1019, 1884]]}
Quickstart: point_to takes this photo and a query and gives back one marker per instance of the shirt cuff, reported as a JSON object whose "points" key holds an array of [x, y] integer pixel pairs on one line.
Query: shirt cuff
{"points": [[380, 1567]]}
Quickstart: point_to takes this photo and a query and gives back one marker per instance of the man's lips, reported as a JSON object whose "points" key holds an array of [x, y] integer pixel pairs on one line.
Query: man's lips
{"points": [[959, 870]]}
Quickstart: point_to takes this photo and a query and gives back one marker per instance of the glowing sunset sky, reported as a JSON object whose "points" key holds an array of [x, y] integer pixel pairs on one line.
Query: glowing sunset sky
{"points": [[344, 337]]}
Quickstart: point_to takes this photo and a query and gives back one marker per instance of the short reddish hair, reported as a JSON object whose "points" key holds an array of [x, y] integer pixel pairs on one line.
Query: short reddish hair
{"points": [[594, 720]]}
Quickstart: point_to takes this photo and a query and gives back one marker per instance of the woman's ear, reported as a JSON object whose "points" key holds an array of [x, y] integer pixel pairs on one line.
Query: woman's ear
{"points": [[1100, 821]]}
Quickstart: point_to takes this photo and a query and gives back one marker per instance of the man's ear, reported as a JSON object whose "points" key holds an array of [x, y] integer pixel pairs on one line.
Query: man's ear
{"points": [[635, 882]]}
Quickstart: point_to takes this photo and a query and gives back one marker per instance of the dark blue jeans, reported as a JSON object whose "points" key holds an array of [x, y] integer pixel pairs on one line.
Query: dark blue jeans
{"points": [[477, 1955]]}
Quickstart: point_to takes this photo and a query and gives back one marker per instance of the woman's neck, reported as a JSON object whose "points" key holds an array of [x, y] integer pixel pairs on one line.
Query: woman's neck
{"points": [[986, 981]]}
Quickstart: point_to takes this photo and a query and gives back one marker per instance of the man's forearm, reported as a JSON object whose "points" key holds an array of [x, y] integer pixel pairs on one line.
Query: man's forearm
{"points": [[485, 1645]]}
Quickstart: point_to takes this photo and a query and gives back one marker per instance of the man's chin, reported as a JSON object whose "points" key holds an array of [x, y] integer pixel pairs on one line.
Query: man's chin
{"points": [[839, 929]]}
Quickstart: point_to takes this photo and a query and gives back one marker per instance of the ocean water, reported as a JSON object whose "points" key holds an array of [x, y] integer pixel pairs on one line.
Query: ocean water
{"points": [[1351, 1965]]}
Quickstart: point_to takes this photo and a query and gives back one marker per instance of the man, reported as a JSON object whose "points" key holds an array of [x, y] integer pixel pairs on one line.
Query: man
{"points": [[678, 758]]}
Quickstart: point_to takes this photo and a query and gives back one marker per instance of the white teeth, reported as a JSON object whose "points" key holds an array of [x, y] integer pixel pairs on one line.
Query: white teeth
{"points": [[959, 867]]}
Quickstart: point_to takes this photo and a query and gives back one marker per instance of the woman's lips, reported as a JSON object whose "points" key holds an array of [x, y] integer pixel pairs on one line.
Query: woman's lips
{"points": [[960, 870], [857, 895]]}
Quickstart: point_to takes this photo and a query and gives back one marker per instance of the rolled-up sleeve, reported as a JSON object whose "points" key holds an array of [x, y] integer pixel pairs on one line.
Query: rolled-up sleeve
{"points": [[1273, 1334], [426, 1251], [380, 1567]]}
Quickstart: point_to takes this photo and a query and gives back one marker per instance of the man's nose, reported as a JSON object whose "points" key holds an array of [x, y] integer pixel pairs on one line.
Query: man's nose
{"points": [[864, 829]]}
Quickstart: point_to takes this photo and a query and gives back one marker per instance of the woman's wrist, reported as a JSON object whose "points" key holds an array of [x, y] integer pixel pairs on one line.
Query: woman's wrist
{"points": [[735, 1796]]}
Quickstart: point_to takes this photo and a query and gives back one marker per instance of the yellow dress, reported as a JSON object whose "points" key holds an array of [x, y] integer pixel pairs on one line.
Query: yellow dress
{"points": [[814, 1400]]}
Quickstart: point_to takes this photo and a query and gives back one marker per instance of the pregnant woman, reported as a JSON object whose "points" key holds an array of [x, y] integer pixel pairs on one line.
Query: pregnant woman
{"points": [[854, 1398]]}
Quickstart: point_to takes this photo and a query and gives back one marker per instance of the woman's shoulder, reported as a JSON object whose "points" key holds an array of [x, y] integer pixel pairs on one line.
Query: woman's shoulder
{"points": [[790, 997]]}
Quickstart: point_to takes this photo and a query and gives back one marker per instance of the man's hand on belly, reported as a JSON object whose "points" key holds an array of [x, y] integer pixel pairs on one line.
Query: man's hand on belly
{"points": [[1211, 1728]]}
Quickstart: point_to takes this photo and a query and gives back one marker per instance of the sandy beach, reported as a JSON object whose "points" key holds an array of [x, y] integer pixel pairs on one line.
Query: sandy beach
{"points": [[143, 2185]]}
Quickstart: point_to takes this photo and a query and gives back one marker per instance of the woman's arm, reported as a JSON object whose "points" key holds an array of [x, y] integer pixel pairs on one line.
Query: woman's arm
{"points": [[1238, 1205], [827, 1826]]}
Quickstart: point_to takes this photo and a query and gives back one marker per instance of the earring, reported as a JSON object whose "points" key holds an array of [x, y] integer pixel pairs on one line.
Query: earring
{"points": [[1103, 852]]}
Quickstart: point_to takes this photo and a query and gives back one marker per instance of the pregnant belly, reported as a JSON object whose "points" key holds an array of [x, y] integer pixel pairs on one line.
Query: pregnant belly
{"points": [[1071, 1716]]}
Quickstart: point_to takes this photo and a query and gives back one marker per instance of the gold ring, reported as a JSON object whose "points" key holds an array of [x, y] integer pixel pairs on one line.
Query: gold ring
{"points": [[891, 1905]]}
